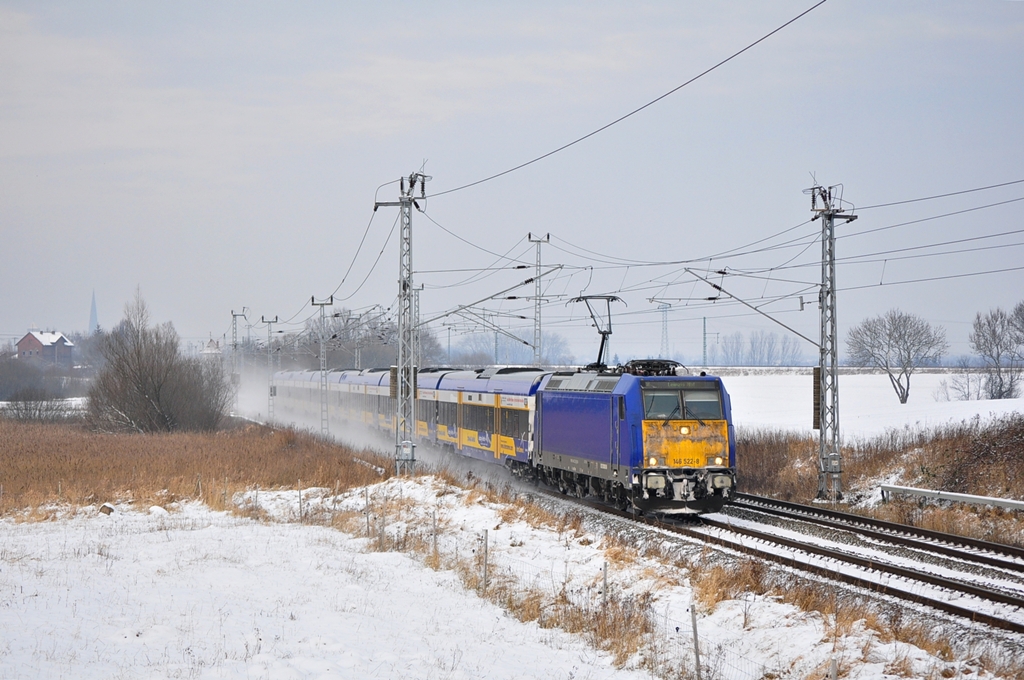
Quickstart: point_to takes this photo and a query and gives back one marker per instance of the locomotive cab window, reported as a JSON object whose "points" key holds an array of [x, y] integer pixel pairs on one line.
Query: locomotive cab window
{"points": [[682, 404], [661, 405], [703, 404]]}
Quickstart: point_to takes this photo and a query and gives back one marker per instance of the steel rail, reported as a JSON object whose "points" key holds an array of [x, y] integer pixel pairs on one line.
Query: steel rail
{"points": [[950, 539], [792, 562], [873, 564], [862, 527]]}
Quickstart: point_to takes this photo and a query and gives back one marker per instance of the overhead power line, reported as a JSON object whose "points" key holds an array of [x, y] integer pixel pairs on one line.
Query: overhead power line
{"points": [[935, 278], [470, 243], [952, 193], [933, 217], [636, 110]]}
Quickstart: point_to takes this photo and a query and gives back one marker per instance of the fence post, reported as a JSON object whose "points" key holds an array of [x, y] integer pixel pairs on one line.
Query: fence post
{"points": [[484, 589], [833, 669], [366, 510], [435, 533], [300, 500], [604, 591], [696, 641]]}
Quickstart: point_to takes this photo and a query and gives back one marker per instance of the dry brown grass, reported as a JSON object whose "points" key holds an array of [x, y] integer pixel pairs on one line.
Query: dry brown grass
{"points": [[719, 582], [52, 465], [522, 510], [840, 609], [776, 463], [618, 625], [971, 458], [618, 550]]}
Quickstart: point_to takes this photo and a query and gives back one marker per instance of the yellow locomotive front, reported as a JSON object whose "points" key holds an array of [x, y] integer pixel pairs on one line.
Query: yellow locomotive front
{"points": [[687, 465]]}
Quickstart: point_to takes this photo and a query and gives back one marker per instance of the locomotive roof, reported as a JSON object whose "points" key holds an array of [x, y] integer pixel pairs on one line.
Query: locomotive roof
{"points": [[584, 381]]}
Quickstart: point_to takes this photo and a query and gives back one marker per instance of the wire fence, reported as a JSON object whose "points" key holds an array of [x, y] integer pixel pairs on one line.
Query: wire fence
{"points": [[671, 643]]}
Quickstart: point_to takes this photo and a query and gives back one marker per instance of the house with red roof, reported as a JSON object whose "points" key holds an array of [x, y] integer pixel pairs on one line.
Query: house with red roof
{"points": [[49, 347]]}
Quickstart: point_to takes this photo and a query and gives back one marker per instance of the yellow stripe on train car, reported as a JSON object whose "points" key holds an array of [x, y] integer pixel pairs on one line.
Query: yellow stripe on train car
{"points": [[506, 446]]}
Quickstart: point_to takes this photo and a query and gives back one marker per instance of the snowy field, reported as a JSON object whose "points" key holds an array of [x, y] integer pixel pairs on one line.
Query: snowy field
{"points": [[868, 405], [184, 592]]}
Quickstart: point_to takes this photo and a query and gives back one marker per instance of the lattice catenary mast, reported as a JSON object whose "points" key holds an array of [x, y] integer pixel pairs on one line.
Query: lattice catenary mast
{"points": [[271, 389], [403, 380], [236, 376], [826, 386], [324, 424], [664, 307], [538, 355]]}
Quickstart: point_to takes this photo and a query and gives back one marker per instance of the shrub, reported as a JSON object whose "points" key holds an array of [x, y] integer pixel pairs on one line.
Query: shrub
{"points": [[146, 384]]}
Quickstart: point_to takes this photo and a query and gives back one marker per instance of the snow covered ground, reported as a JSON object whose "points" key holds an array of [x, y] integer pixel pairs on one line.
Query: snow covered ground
{"points": [[187, 592], [867, 403]]}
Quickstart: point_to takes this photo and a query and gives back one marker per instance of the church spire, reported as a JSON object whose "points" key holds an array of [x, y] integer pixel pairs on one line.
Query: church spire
{"points": [[94, 324]]}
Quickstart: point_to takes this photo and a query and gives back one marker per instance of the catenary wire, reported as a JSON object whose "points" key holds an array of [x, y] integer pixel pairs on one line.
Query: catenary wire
{"points": [[636, 110], [470, 243], [379, 255], [952, 193]]}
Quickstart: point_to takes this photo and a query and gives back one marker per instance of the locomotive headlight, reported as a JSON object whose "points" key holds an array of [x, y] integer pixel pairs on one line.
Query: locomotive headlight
{"points": [[718, 460], [652, 462], [685, 429]]}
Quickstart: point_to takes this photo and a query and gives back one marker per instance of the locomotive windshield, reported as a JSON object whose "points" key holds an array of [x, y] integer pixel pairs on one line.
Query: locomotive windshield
{"points": [[682, 404]]}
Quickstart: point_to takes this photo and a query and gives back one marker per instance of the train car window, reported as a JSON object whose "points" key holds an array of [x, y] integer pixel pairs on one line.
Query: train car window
{"points": [[622, 408], [447, 413], [661, 405], [426, 411], [703, 404], [515, 423], [479, 418]]}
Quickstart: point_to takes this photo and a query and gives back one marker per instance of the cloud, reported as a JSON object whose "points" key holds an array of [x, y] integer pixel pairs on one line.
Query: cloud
{"points": [[67, 96]]}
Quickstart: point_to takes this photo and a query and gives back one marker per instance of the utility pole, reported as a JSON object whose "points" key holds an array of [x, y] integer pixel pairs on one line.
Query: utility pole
{"points": [[403, 379], [271, 391], [324, 426], [664, 307], [538, 355], [236, 375], [826, 388]]}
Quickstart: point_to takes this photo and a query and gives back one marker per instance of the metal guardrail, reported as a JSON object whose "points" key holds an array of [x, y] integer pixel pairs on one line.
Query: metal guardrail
{"points": [[949, 496]]}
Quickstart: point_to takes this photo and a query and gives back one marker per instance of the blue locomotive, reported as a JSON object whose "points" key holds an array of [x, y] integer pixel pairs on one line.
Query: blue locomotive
{"points": [[643, 434]]}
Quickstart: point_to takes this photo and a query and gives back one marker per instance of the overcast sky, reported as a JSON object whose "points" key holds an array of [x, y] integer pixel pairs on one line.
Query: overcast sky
{"points": [[227, 155]]}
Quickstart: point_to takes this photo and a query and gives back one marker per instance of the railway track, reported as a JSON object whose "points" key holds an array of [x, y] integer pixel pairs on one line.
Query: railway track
{"points": [[911, 581], [981, 552]]}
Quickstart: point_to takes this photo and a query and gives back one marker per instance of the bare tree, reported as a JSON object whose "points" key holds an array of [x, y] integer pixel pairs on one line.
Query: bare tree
{"points": [[36, 404], [556, 350], [996, 339], [763, 349], [475, 349], [790, 353], [898, 343], [732, 349], [146, 385], [1017, 326], [966, 383]]}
